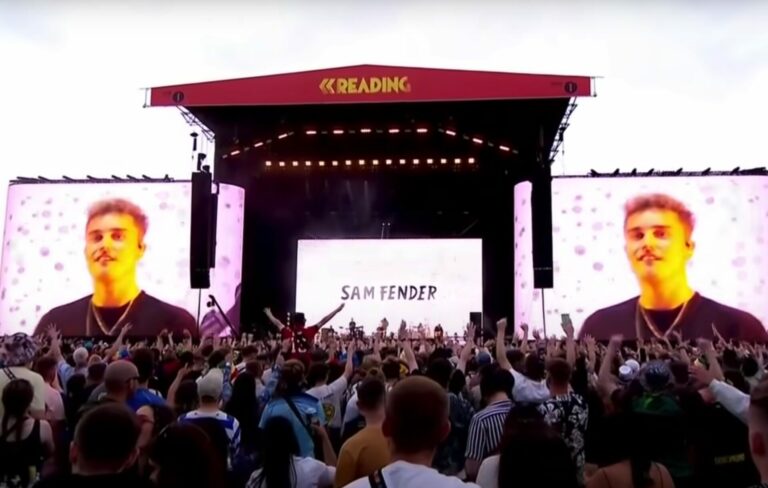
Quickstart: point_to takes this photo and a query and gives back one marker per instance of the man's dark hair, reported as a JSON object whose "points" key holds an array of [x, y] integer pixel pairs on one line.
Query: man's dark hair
{"points": [[145, 363], [391, 368], [106, 437], [516, 358], [535, 367], [750, 367], [559, 371], [96, 372], [496, 380], [217, 357], [417, 415], [249, 352], [46, 367], [317, 372], [371, 393], [120, 206], [440, 370]]}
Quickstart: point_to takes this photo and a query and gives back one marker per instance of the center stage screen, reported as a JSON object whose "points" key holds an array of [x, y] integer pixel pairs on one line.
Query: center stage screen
{"points": [[52, 257], [601, 264], [428, 281]]}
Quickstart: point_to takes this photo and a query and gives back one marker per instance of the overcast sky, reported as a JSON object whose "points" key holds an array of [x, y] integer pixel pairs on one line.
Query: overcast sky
{"points": [[682, 85]]}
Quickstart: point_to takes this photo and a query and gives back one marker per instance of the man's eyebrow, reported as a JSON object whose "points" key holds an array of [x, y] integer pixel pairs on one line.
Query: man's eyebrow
{"points": [[111, 229], [632, 229]]}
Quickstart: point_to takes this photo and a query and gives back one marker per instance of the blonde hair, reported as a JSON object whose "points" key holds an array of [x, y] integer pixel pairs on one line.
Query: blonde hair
{"points": [[120, 206], [660, 201]]}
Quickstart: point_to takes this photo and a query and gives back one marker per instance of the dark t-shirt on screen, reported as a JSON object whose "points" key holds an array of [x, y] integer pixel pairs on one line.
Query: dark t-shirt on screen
{"points": [[147, 315], [696, 322]]}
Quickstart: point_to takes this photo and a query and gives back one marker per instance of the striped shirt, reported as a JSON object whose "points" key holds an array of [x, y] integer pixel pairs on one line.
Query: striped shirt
{"points": [[229, 423], [486, 429]]}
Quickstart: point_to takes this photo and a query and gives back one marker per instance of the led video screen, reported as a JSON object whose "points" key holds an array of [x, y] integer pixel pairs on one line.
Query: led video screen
{"points": [[91, 258], [649, 257], [422, 281]]}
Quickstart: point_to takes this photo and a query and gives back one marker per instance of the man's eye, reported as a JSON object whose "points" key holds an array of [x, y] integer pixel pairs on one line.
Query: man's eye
{"points": [[660, 233]]}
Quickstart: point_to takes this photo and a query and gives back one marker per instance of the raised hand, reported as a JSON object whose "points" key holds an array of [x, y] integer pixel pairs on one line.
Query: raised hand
{"points": [[567, 326], [590, 342], [536, 335], [524, 328]]}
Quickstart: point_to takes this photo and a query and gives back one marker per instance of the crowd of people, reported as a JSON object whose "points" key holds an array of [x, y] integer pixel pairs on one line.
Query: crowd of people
{"points": [[304, 409]]}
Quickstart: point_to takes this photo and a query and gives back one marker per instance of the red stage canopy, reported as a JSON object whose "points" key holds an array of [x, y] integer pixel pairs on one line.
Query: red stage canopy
{"points": [[372, 84]]}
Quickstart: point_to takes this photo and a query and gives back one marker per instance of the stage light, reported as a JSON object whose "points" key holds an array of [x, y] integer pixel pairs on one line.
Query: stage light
{"points": [[282, 136], [450, 132], [402, 161], [338, 131], [443, 161], [429, 161], [321, 163], [295, 163], [477, 141], [348, 162], [234, 153], [335, 163], [311, 132], [389, 162], [258, 144], [421, 130], [457, 161], [365, 131], [375, 162], [282, 164], [307, 163], [394, 131], [471, 160], [268, 163], [415, 161], [504, 148], [362, 162]]}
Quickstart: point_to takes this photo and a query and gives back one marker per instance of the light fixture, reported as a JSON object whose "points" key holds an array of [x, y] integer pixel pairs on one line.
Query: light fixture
{"points": [[235, 152], [258, 144], [362, 162], [393, 131], [450, 132], [443, 161], [282, 164], [321, 163], [282, 136], [402, 161], [421, 130], [307, 163], [365, 131], [268, 163], [457, 160], [415, 161], [388, 162], [335, 163], [471, 160], [375, 162], [477, 141], [348, 162], [338, 131], [295, 163], [311, 132], [504, 148], [429, 161]]}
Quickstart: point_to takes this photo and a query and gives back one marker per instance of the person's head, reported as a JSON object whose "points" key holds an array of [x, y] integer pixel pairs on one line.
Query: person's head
{"points": [[145, 363], [458, 382], [532, 454], [658, 235], [96, 373], [105, 440], [46, 366], [535, 367], [114, 239], [291, 379], [416, 418], [317, 374], [298, 321], [495, 380], [757, 420], [277, 454], [183, 456], [153, 419], [249, 353], [17, 398], [121, 378], [243, 399], [440, 370], [391, 369], [371, 397], [186, 398], [210, 387], [80, 357], [517, 359], [559, 373], [20, 350]]}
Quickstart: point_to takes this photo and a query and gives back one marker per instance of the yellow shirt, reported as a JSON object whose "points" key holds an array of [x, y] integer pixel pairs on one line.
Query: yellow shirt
{"points": [[362, 455]]}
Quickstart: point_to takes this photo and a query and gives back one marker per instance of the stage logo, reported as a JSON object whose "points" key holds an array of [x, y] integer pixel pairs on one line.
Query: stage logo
{"points": [[388, 292], [372, 84]]}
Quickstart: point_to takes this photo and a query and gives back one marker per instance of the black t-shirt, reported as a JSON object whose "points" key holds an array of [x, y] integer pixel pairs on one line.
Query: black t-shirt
{"points": [[147, 315], [696, 322]]}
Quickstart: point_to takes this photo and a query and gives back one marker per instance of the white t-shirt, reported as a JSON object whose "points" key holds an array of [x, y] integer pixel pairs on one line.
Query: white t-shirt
{"points": [[38, 386], [310, 473], [401, 474], [330, 399], [351, 412], [488, 475], [527, 390]]}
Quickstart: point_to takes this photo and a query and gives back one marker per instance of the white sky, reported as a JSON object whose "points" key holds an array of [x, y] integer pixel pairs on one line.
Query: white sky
{"points": [[684, 85]]}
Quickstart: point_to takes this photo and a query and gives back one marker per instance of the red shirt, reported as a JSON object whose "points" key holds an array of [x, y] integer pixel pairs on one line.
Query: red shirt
{"points": [[303, 339]]}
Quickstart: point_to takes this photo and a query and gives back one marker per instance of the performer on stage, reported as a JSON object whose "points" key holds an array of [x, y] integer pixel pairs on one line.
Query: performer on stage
{"points": [[114, 244], [658, 231]]}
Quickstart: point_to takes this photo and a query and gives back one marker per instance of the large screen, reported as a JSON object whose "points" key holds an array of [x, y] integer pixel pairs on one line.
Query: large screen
{"points": [[422, 281], [629, 251], [71, 251]]}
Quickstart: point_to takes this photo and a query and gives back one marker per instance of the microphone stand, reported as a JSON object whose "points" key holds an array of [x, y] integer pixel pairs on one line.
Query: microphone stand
{"points": [[215, 302]]}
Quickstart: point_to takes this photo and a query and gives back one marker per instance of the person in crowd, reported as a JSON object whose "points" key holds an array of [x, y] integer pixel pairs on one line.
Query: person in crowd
{"points": [[416, 423], [531, 455], [244, 406], [529, 384], [367, 451], [487, 426], [25, 442], [103, 451], [79, 357], [114, 245], [20, 350], [301, 336], [120, 382], [209, 391], [152, 420], [283, 464], [330, 395], [658, 240], [183, 456], [757, 420], [566, 411], [292, 403], [94, 379], [145, 364], [46, 366]]}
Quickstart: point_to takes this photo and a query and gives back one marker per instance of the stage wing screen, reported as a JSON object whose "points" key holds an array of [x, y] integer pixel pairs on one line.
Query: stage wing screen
{"points": [[45, 260], [599, 264], [428, 281]]}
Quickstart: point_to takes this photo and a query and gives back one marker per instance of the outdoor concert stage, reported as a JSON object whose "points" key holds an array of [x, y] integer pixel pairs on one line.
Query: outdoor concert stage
{"points": [[384, 153]]}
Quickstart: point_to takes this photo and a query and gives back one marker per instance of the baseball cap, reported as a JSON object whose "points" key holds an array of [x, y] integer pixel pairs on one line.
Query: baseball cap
{"points": [[121, 371], [483, 358], [211, 385]]}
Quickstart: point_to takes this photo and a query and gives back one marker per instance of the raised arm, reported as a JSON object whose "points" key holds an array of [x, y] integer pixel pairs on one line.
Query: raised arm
{"points": [[275, 321], [524, 343], [605, 379], [115, 347], [466, 352], [501, 348], [570, 343], [329, 317]]}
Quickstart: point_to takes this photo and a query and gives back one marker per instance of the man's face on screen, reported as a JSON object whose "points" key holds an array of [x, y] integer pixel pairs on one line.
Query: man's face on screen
{"points": [[656, 244], [113, 246]]}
